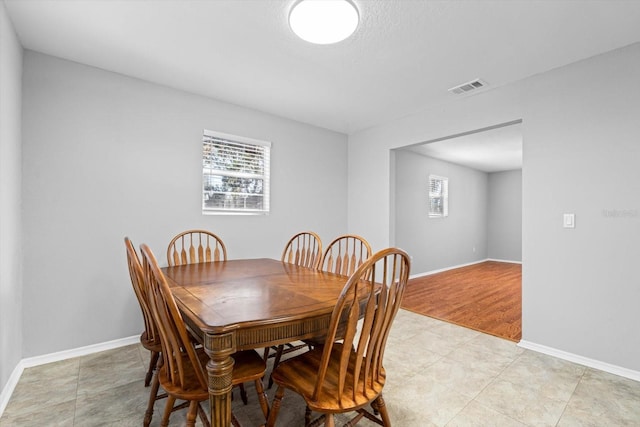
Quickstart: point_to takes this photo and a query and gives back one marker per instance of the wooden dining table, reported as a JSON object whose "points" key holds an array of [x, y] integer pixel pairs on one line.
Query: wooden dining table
{"points": [[249, 304]]}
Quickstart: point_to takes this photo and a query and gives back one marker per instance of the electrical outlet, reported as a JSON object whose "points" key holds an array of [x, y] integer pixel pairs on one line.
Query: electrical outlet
{"points": [[569, 220]]}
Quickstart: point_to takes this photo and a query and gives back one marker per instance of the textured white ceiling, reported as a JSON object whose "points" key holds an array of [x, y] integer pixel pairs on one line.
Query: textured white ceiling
{"points": [[493, 150], [402, 58]]}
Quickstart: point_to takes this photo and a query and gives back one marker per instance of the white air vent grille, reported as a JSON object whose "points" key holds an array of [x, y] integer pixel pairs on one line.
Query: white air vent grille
{"points": [[468, 86]]}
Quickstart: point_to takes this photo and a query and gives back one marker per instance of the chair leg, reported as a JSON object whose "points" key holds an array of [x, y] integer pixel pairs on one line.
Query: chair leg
{"points": [[192, 413], [155, 386], [328, 421], [381, 407], [167, 411], [275, 407], [276, 362], [262, 398], [152, 366], [243, 394]]}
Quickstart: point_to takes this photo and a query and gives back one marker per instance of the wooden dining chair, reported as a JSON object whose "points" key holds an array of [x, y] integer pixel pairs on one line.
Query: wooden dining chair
{"points": [[150, 337], [348, 375], [195, 246], [303, 249], [344, 254], [182, 374]]}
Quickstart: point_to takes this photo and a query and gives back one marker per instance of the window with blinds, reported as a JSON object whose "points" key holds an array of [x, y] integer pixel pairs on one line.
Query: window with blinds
{"points": [[235, 174], [438, 196]]}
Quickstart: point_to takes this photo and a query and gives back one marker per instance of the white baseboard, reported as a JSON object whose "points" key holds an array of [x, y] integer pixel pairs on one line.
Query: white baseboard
{"points": [[29, 362], [429, 273], [441, 270], [81, 351], [11, 384], [504, 260], [581, 360]]}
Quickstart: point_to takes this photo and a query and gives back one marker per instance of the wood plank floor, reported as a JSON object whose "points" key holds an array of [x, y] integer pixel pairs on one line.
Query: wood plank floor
{"points": [[486, 297]]}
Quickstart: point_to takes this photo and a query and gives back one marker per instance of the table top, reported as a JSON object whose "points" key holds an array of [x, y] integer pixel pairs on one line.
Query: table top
{"points": [[229, 295]]}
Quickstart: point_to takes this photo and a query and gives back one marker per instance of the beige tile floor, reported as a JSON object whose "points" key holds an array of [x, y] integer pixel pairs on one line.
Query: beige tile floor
{"points": [[438, 375]]}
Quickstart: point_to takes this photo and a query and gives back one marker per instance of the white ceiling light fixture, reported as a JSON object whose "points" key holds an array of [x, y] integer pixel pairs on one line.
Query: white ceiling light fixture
{"points": [[323, 21]]}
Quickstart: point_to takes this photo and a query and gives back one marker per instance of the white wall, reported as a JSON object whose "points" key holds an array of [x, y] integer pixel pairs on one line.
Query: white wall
{"points": [[108, 156], [580, 141], [437, 243], [504, 218], [10, 183], [581, 148]]}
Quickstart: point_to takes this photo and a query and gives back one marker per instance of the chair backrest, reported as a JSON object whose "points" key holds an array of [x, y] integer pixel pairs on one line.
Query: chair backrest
{"points": [[345, 254], [375, 289], [141, 290], [177, 347], [304, 249], [195, 246]]}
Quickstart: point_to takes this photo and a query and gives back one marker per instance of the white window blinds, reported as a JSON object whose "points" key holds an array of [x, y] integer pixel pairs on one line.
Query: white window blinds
{"points": [[438, 196], [235, 174]]}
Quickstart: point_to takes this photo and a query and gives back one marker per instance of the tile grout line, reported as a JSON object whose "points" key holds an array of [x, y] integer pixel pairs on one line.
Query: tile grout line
{"points": [[492, 382], [570, 396]]}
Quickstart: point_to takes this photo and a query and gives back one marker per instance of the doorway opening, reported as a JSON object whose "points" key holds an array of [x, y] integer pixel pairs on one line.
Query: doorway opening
{"points": [[473, 255]]}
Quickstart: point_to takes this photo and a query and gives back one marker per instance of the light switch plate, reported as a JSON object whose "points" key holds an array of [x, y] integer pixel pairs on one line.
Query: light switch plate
{"points": [[569, 220]]}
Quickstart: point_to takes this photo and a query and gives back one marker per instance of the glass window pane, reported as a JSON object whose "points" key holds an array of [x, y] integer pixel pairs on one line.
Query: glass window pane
{"points": [[235, 174]]}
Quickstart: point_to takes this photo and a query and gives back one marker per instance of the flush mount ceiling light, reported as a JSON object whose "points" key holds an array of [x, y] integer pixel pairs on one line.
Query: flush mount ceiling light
{"points": [[323, 21]]}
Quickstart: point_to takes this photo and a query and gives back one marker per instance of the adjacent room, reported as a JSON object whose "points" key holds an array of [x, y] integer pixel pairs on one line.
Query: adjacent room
{"points": [[156, 120], [464, 247]]}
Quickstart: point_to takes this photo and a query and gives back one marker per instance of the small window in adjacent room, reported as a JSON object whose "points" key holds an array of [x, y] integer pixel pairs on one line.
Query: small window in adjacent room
{"points": [[438, 196], [235, 174]]}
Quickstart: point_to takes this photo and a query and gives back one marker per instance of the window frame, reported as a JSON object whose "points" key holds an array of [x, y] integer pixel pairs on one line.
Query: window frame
{"points": [[210, 137], [442, 194]]}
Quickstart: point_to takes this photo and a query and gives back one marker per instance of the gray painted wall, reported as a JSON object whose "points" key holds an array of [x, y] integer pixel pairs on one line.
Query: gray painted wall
{"points": [[580, 142], [10, 183], [108, 156], [504, 219], [582, 286], [437, 243]]}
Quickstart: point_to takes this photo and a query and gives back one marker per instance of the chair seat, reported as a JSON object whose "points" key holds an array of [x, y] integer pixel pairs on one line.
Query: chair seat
{"points": [[248, 366], [151, 345], [300, 374], [190, 389]]}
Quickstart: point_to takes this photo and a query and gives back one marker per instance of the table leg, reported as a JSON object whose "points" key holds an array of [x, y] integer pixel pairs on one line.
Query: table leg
{"points": [[219, 369]]}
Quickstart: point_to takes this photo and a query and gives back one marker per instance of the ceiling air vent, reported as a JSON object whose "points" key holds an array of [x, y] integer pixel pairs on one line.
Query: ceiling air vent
{"points": [[468, 86]]}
